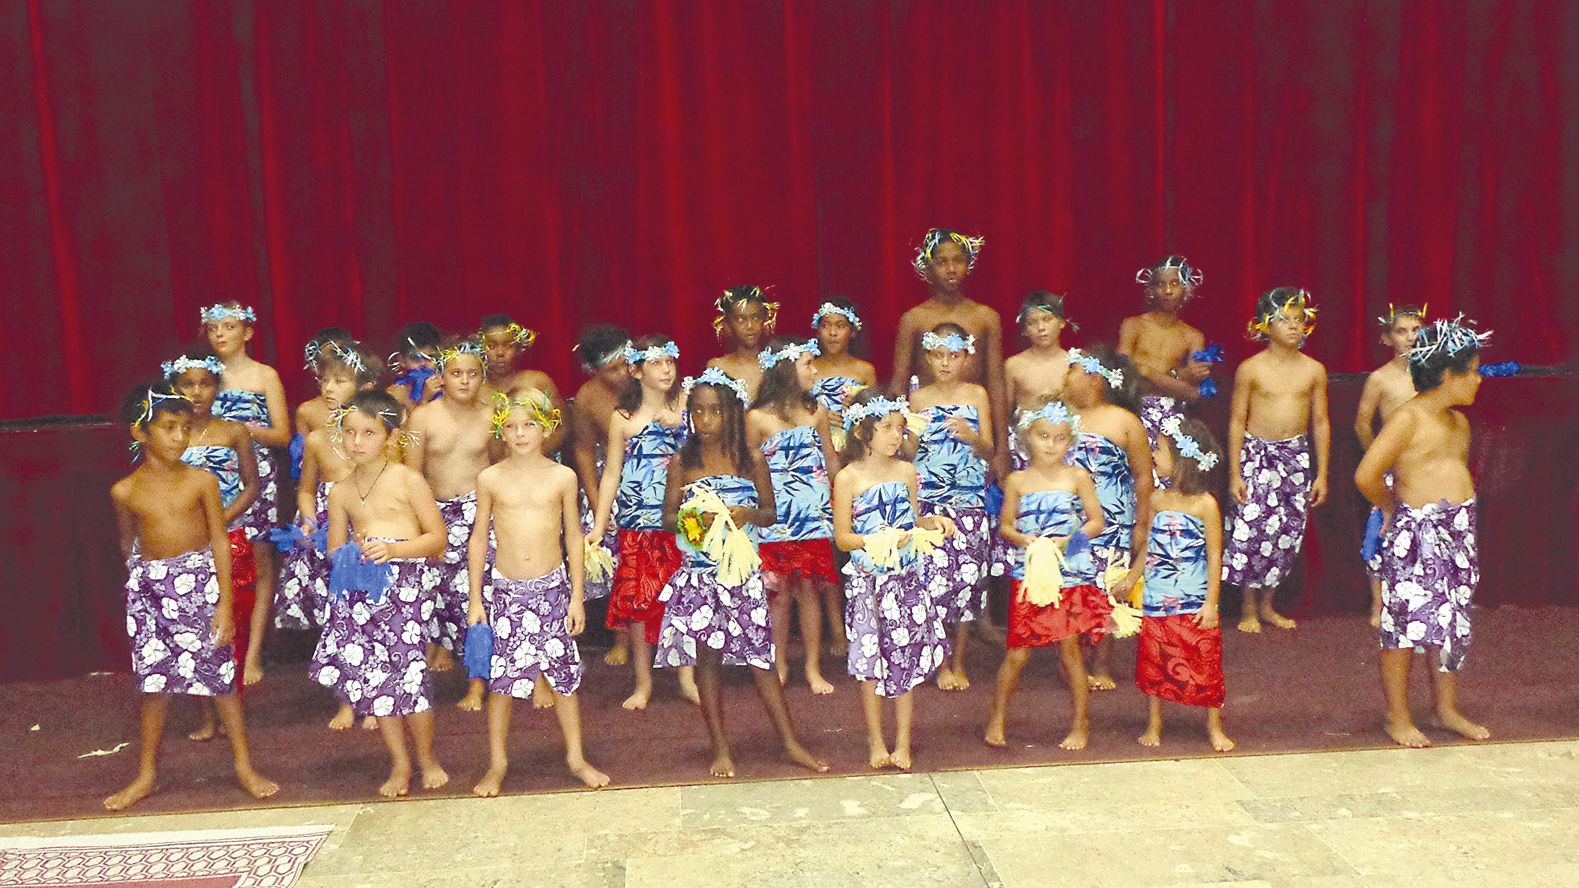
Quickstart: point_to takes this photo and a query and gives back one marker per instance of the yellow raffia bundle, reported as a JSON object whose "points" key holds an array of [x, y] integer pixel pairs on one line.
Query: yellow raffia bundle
{"points": [[726, 542], [1044, 572], [916, 423], [883, 546], [1126, 615], [1126, 619], [597, 561], [1116, 571]]}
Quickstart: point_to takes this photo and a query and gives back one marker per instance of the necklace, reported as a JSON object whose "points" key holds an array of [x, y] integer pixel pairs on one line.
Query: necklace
{"points": [[363, 496]]}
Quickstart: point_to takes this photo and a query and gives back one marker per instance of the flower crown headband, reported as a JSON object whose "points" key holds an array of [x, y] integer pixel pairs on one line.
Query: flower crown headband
{"points": [[651, 353], [1261, 328], [936, 236], [953, 342], [1187, 446], [180, 365], [715, 376], [1190, 276], [828, 308], [1393, 314], [464, 347], [877, 408], [768, 358], [519, 335], [217, 312], [1055, 412], [1093, 365], [1447, 337], [543, 412], [729, 300]]}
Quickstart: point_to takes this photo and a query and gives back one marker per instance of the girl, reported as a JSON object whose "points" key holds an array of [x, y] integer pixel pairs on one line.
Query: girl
{"points": [[1054, 500], [710, 620], [951, 461], [644, 434], [253, 395], [417, 380], [896, 627], [1180, 658], [746, 315], [790, 428], [1102, 388], [374, 644]]}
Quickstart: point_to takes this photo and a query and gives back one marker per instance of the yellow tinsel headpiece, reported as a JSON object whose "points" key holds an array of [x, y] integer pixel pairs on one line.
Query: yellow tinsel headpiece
{"points": [[1260, 328], [1394, 313], [736, 295], [518, 334], [471, 346], [543, 412]]}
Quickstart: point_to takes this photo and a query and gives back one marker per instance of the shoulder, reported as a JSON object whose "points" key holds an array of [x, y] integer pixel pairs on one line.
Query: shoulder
{"points": [[1251, 366], [536, 379], [1315, 368], [717, 362], [1204, 506], [268, 374], [491, 475], [1191, 333], [985, 314], [121, 490], [1131, 324]]}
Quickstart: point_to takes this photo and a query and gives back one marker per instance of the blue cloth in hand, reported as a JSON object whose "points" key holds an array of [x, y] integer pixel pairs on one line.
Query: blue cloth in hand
{"points": [[349, 572], [479, 651]]}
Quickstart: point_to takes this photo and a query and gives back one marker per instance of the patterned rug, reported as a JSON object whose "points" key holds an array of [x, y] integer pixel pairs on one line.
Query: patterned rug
{"points": [[270, 857]]}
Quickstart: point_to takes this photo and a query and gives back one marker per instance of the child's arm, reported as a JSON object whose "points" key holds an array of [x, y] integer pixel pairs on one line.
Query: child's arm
{"points": [[846, 539], [1238, 417], [125, 521], [584, 451], [993, 333], [1138, 450], [416, 448], [278, 432], [1213, 519], [575, 555], [674, 485], [904, 345], [247, 462], [339, 522], [1090, 504], [766, 513], [1010, 513], [477, 550], [1380, 456], [1321, 430], [830, 456], [219, 543], [307, 487], [609, 485], [1365, 416]]}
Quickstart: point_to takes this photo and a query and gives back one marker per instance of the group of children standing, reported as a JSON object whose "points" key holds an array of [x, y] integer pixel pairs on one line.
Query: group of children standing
{"points": [[466, 514]]}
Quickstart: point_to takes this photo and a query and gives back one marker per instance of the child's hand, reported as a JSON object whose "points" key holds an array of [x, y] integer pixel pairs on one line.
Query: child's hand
{"points": [[376, 551], [960, 429], [307, 525], [1195, 371], [1318, 491], [595, 536], [474, 614], [224, 628], [904, 540], [1207, 618], [942, 524], [1126, 584], [742, 515], [577, 620], [1236, 488]]}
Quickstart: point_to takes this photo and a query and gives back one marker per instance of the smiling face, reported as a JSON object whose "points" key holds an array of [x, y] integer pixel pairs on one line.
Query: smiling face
{"points": [[363, 437], [502, 350], [948, 266], [834, 333], [522, 434], [1047, 443], [463, 378], [199, 387], [227, 337]]}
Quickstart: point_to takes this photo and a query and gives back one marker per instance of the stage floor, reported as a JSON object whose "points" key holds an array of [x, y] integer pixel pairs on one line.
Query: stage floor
{"points": [[1310, 690]]}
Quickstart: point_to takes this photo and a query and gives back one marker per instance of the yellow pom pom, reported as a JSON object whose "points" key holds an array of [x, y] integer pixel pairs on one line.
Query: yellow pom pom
{"points": [[597, 561], [1044, 572]]}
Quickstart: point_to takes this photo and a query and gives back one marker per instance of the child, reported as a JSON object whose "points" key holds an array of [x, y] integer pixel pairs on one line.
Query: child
{"points": [[533, 604], [311, 415], [1180, 654], [746, 315], [417, 379], [178, 594], [1162, 345], [951, 462], [253, 395], [1036, 374], [1429, 562], [1102, 387], [505, 341], [896, 628], [715, 618], [224, 449], [373, 645], [790, 429], [1050, 499], [644, 435], [1386, 389], [602, 353], [452, 441], [1279, 410]]}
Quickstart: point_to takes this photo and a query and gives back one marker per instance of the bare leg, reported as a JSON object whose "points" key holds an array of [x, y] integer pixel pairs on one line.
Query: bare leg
{"points": [[1153, 735], [1447, 712], [267, 570], [620, 653], [1400, 723], [811, 635], [568, 710], [1214, 730], [961, 636], [772, 694], [472, 702], [833, 603], [1269, 614], [687, 677], [904, 717], [641, 653], [256, 785], [986, 630], [153, 713], [500, 707], [1014, 661], [206, 725], [872, 709], [707, 666], [1376, 602], [433, 775], [1079, 693], [1101, 677], [393, 730], [779, 623], [1249, 611]]}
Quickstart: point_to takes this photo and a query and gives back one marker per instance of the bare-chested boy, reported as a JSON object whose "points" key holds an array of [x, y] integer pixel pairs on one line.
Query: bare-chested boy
{"points": [[1037, 373], [451, 442], [1278, 421], [602, 352], [1386, 389], [1162, 345], [745, 321], [506, 341], [312, 413], [1429, 561], [178, 594]]}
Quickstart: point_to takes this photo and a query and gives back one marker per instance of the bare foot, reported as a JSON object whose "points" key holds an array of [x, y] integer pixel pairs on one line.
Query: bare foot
{"points": [[946, 679], [1250, 623], [798, 754], [722, 766], [880, 758], [204, 732], [369, 723], [1456, 722], [488, 786], [441, 660], [638, 699], [618, 655], [1269, 615], [989, 632], [961, 681], [1404, 733], [1376, 615], [688, 686], [1219, 740], [838, 647], [256, 785], [1152, 737], [398, 784], [901, 759], [434, 776], [472, 702], [783, 674], [1100, 681], [1077, 739], [542, 695], [820, 686], [132, 794], [589, 775], [252, 673], [343, 719], [994, 736]]}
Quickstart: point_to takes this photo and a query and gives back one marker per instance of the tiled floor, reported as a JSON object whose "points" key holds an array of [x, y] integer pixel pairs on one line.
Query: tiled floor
{"points": [[1458, 816]]}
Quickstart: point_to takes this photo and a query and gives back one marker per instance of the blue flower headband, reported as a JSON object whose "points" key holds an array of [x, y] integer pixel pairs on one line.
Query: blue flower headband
{"points": [[792, 352], [651, 353], [1188, 447], [1448, 338], [218, 312], [1055, 412], [923, 260], [1092, 364], [464, 347], [715, 376], [1189, 275], [180, 365], [952, 342], [876, 408], [828, 308]]}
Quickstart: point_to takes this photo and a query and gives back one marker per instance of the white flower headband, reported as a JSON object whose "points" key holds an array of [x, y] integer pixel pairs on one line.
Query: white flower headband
{"points": [[768, 358], [828, 308], [1091, 364], [651, 353], [952, 342], [1189, 275], [218, 312], [1188, 447], [180, 365], [877, 407], [715, 376], [1055, 412], [1446, 337]]}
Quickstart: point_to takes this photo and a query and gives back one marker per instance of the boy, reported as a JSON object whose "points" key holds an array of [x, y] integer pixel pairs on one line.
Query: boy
{"points": [[1429, 562], [178, 607], [1279, 411], [505, 341], [602, 352], [1386, 389], [534, 605], [1162, 345]]}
